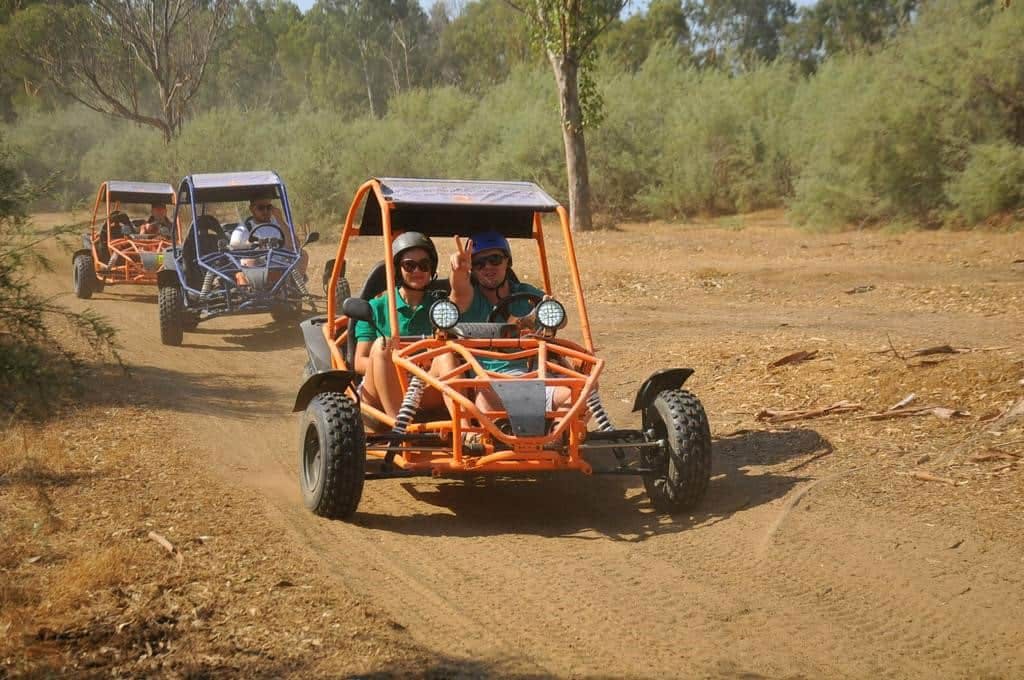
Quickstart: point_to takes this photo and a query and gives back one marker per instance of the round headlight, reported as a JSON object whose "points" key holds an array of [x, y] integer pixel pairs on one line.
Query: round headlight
{"points": [[551, 314], [444, 314]]}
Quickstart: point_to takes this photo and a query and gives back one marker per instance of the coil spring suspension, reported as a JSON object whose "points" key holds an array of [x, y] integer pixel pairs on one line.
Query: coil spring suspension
{"points": [[604, 423], [410, 405], [300, 283], [207, 284]]}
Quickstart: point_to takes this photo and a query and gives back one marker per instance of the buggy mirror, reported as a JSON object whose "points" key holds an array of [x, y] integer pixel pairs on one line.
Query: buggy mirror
{"points": [[311, 237]]}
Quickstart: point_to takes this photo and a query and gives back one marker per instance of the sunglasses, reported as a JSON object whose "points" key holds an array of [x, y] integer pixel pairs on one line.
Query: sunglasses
{"points": [[410, 266], [494, 260], [265, 206]]}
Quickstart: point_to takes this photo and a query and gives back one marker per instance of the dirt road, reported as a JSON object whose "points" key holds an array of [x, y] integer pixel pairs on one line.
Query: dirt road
{"points": [[816, 553]]}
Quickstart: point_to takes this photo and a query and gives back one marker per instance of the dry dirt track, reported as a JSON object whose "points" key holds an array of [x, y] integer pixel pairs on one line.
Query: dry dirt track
{"points": [[789, 569]]}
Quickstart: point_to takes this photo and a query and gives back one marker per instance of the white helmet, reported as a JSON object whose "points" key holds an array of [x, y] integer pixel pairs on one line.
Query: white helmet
{"points": [[240, 238]]}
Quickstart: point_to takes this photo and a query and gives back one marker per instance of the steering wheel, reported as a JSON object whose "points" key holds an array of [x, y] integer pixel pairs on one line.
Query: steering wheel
{"points": [[266, 231], [501, 309]]}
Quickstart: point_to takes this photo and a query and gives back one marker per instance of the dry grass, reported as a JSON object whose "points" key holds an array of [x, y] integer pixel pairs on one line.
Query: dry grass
{"points": [[85, 591]]}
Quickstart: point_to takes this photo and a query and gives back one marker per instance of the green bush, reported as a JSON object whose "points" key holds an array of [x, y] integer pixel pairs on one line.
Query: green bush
{"points": [[992, 181]]}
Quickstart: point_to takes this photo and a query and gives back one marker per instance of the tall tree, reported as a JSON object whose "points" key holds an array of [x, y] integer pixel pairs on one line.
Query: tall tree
{"points": [[142, 60], [834, 26], [566, 31], [629, 42], [739, 33]]}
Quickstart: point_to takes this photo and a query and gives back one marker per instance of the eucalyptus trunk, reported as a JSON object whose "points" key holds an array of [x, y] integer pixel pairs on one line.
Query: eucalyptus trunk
{"points": [[567, 78]]}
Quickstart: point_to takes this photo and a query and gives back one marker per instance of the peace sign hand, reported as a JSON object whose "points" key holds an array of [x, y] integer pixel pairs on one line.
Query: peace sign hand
{"points": [[462, 258]]}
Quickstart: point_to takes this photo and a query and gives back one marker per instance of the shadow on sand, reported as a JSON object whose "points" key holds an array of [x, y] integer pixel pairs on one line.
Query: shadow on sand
{"points": [[269, 337], [595, 508]]}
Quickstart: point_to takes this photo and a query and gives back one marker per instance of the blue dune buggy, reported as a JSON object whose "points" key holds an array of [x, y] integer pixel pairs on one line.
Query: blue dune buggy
{"points": [[227, 263]]}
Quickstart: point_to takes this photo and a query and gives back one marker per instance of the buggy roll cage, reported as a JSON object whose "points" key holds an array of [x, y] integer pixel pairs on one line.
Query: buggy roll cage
{"points": [[109, 198], [440, 208], [198, 190]]}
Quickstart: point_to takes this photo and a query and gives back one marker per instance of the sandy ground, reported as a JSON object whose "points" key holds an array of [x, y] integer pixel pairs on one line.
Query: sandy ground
{"points": [[836, 546]]}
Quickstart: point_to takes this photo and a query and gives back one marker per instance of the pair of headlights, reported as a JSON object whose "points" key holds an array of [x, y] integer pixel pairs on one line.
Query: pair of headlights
{"points": [[550, 314]]}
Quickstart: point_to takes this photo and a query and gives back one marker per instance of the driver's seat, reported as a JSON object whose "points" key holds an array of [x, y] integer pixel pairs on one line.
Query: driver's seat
{"points": [[203, 237]]}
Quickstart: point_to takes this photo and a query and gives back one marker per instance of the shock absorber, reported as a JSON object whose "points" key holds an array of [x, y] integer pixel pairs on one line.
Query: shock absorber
{"points": [[300, 283], [604, 423], [410, 405], [207, 284]]}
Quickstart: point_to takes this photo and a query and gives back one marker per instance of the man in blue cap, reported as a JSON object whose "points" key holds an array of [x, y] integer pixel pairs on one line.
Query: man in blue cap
{"points": [[481, 277]]}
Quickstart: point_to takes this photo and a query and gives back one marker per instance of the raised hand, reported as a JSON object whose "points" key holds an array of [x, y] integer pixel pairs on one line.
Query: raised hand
{"points": [[461, 259]]}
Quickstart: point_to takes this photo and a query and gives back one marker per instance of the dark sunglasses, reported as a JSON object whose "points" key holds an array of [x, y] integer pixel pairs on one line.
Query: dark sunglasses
{"points": [[265, 206], [493, 259], [412, 265]]}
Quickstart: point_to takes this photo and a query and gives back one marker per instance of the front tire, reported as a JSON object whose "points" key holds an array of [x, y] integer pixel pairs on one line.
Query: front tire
{"points": [[172, 311], [332, 456], [84, 276], [684, 466]]}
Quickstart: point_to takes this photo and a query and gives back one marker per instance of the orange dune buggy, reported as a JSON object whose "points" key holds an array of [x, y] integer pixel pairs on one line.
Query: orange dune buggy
{"points": [[671, 451], [118, 248]]}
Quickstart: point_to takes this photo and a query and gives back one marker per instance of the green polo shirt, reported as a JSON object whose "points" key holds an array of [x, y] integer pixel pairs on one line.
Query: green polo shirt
{"points": [[481, 308], [411, 320]]}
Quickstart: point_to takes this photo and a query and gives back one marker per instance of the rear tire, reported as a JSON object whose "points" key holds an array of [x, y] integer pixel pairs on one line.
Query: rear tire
{"points": [[332, 456], [84, 276], [342, 291], [172, 311], [684, 467]]}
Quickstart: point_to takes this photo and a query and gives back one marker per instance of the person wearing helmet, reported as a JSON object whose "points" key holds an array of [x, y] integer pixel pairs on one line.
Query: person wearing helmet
{"points": [[482, 276], [415, 262]]}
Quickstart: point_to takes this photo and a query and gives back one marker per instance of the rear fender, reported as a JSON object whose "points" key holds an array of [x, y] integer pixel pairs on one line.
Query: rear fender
{"points": [[316, 344], [665, 379], [327, 381], [167, 277]]}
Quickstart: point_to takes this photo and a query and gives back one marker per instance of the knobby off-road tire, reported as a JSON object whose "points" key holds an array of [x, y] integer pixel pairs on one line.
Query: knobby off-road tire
{"points": [[84, 277], [332, 456], [172, 312], [685, 468], [342, 291]]}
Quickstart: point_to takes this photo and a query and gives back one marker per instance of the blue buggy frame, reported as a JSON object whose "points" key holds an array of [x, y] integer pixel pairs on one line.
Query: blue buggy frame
{"points": [[204, 277]]}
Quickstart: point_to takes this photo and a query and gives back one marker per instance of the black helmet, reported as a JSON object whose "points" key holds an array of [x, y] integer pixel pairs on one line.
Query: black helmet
{"points": [[408, 241]]}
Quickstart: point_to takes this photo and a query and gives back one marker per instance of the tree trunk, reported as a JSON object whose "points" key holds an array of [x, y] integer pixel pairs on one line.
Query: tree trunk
{"points": [[567, 78], [366, 79]]}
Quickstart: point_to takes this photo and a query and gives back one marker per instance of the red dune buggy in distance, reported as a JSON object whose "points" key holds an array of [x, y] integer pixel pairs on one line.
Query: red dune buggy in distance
{"points": [[671, 450], [120, 249]]}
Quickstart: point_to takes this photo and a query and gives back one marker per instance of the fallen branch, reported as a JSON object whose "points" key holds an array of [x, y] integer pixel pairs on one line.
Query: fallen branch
{"points": [[168, 546], [929, 477], [908, 412], [783, 415], [795, 357]]}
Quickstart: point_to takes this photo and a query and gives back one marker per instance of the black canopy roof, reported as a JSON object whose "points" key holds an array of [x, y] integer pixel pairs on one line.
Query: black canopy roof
{"points": [[139, 192], [447, 207], [223, 187]]}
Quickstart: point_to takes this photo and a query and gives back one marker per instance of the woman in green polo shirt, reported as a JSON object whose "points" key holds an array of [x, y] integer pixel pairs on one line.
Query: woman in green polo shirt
{"points": [[415, 260]]}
